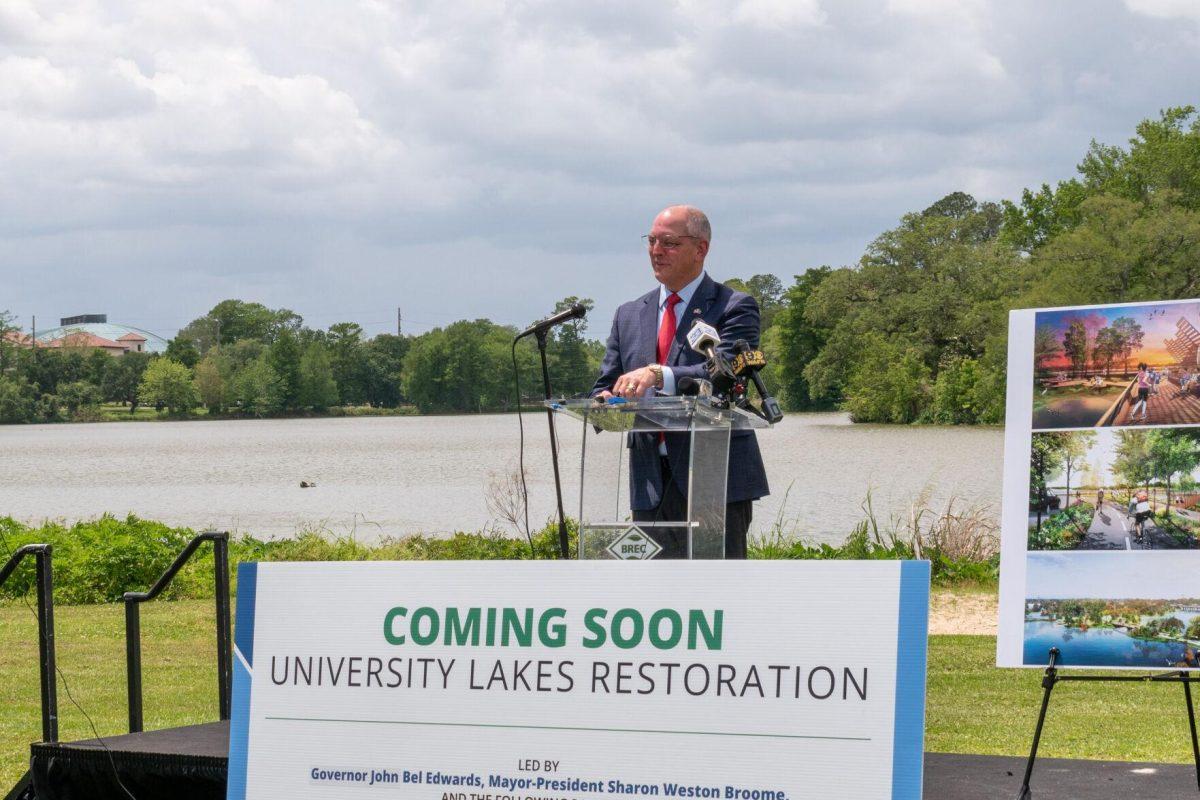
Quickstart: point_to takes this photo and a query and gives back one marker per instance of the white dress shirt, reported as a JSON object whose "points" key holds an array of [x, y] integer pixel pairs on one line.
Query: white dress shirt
{"points": [[685, 296]]}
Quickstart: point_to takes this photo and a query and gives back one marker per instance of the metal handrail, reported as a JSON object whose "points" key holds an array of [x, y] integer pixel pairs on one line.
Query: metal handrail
{"points": [[133, 625], [43, 555]]}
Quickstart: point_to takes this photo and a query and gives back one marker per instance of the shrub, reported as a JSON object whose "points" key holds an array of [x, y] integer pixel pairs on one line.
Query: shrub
{"points": [[97, 561]]}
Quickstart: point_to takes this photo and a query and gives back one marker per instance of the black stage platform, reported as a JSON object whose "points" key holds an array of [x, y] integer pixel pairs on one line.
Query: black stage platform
{"points": [[190, 763], [174, 764]]}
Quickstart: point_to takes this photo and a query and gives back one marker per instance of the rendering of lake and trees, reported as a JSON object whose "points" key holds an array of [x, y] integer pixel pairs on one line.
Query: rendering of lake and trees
{"points": [[1113, 633], [1137, 609]]}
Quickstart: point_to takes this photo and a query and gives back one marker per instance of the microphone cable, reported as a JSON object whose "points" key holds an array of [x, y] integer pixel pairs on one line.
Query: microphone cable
{"points": [[521, 449]]}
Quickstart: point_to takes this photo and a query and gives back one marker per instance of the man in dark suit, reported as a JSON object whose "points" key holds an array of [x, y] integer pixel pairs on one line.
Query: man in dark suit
{"points": [[648, 351]]}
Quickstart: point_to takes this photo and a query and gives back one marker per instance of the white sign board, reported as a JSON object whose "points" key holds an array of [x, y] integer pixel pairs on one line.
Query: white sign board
{"points": [[1101, 519], [504, 680]]}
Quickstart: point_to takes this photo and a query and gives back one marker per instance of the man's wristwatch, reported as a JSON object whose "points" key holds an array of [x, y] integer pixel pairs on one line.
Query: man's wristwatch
{"points": [[658, 375]]}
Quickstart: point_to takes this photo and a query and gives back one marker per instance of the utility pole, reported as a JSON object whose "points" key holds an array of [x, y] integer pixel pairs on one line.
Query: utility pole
{"points": [[399, 320], [33, 336]]}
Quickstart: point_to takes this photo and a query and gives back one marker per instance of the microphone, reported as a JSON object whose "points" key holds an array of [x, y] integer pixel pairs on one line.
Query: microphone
{"points": [[749, 360], [703, 338], [577, 311]]}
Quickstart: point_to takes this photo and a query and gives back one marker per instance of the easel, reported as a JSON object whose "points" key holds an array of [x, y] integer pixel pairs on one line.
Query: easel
{"points": [[1051, 678]]}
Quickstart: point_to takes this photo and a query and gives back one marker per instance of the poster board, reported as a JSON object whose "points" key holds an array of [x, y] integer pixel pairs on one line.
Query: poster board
{"points": [[1109, 576], [473, 680]]}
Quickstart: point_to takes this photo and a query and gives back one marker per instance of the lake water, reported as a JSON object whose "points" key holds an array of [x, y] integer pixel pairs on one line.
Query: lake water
{"points": [[398, 475], [1096, 647]]}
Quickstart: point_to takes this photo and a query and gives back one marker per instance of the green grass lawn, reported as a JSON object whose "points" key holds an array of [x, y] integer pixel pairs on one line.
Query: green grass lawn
{"points": [[118, 412], [972, 708]]}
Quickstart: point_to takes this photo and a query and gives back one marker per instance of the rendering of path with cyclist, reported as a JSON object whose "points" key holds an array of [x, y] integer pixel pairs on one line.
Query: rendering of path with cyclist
{"points": [[1113, 529]]}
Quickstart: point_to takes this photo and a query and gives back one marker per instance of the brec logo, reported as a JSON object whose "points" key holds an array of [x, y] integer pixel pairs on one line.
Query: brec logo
{"points": [[634, 545]]}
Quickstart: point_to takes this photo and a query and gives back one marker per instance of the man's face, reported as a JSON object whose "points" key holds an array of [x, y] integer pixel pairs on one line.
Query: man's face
{"points": [[677, 259]]}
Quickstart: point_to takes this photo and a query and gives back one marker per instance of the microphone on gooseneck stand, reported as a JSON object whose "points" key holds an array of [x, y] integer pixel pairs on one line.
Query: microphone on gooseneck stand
{"points": [[750, 361], [541, 329], [577, 311]]}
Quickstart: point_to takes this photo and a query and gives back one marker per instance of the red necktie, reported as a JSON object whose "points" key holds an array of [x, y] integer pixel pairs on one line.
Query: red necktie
{"points": [[666, 330]]}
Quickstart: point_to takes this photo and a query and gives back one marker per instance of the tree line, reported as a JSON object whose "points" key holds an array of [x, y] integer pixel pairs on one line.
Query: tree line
{"points": [[245, 359], [916, 331]]}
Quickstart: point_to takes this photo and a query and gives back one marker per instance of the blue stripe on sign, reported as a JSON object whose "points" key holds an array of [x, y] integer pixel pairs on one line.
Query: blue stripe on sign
{"points": [[247, 589], [912, 639], [243, 642]]}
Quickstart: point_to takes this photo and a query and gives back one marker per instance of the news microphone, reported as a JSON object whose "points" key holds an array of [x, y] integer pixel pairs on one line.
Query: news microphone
{"points": [[748, 360], [693, 387], [577, 311], [703, 338]]}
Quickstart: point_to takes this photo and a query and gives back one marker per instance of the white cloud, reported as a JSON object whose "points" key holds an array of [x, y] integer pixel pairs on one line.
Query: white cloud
{"points": [[1167, 9], [243, 143], [779, 13]]}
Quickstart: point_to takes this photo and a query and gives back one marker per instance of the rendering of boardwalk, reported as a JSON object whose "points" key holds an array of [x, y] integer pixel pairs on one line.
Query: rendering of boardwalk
{"points": [[1167, 407], [1084, 373]]}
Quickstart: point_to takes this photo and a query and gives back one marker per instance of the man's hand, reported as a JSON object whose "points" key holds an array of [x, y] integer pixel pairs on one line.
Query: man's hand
{"points": [[635, 384]]}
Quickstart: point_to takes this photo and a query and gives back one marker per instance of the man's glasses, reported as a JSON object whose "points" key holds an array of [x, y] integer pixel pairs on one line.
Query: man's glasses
{"points": [[667, 244]]}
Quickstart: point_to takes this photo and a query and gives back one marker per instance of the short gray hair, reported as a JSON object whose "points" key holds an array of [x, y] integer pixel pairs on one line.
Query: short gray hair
{"points": [[697, 223]]}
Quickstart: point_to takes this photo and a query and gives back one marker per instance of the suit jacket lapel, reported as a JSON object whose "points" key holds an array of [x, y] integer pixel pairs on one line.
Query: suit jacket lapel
{"points": [[648, 335], [702, 298]]}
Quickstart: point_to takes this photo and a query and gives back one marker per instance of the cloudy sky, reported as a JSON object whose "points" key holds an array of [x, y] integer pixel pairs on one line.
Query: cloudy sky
{"points": [[467, 159]]}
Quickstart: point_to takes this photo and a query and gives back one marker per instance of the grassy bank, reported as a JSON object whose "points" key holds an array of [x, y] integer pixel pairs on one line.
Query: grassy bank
{"points": [[96, 561], [119, 412], [972, 706]]}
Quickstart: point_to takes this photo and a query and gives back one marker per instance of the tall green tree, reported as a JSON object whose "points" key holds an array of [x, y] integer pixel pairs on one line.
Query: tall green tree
{"points": [[168, 384], [18, 400], [80, 400], [573, 367], [795, 341], [1173, 451], [1045, 459], [1075, 345], [1121, 250], [1107, 346], [348, 356], [232, 321], [258, 389], [456, 368], [766, 289], [212, 380], [1046, 346], [385, 360], [9, 330], [123, 378], [890, 382], [1162, 160], [317, 388], [1075, 447], [939, 285], [183, 350], [1129, 337], [284, 357], [1132, 464]]}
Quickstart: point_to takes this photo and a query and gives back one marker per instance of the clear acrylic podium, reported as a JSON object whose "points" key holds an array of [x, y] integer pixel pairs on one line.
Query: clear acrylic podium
{"points": [[606, 526]]}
